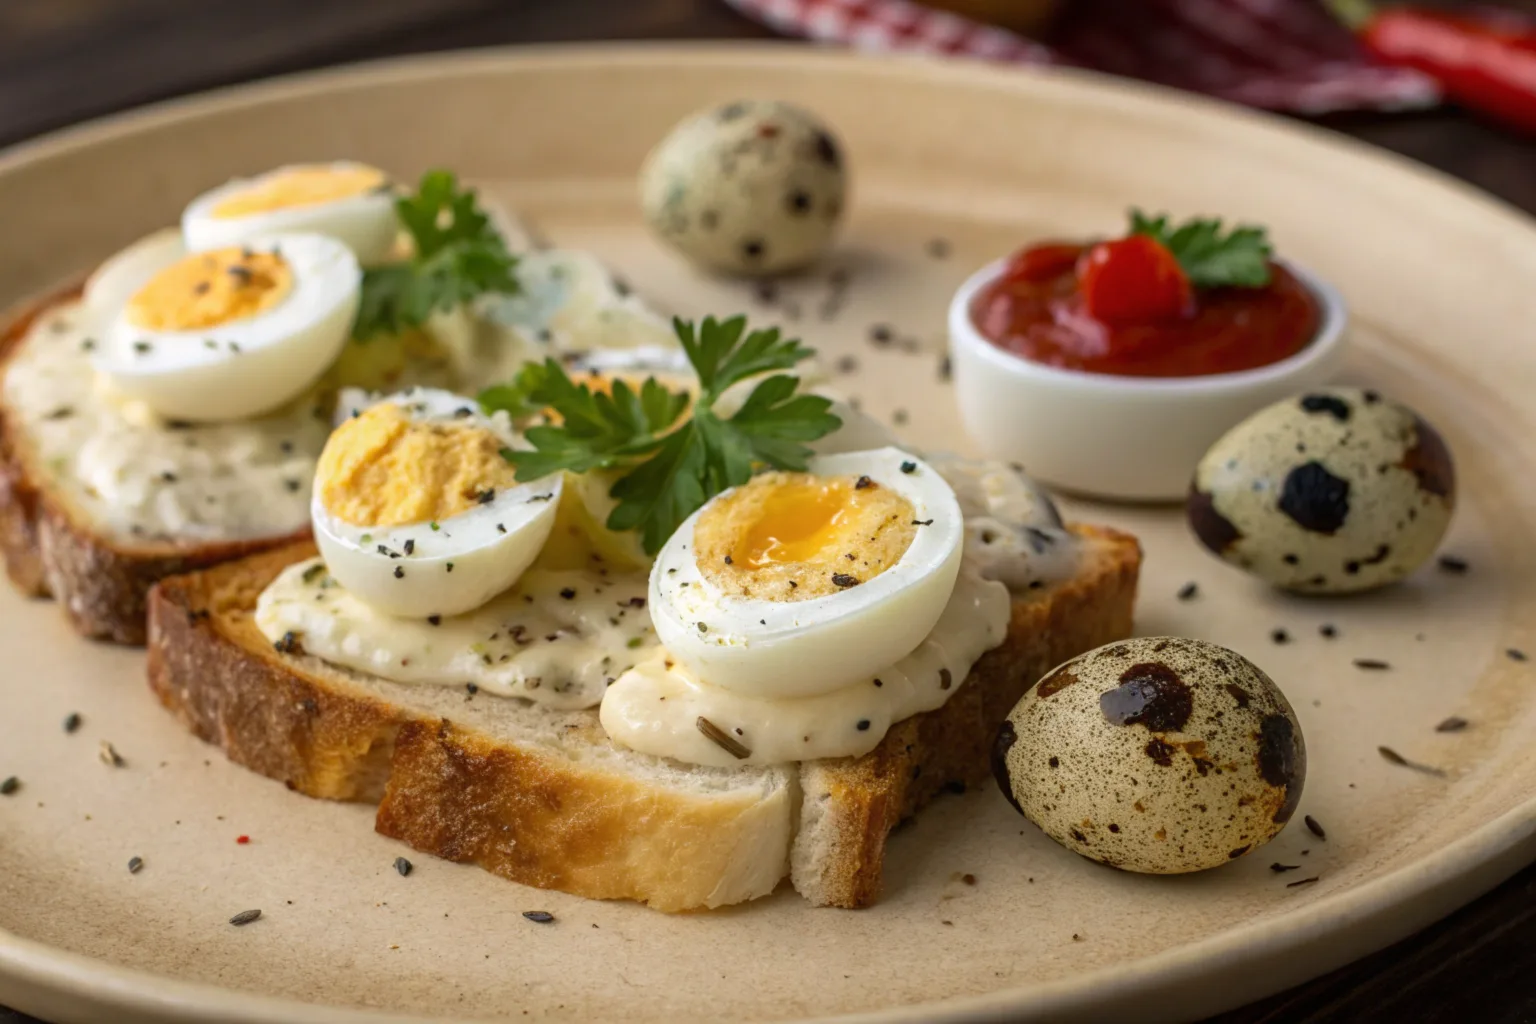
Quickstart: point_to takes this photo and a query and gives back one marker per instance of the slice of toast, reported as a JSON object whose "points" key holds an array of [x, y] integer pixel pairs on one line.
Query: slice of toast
{"points": [[51, 548], [545, 799]]}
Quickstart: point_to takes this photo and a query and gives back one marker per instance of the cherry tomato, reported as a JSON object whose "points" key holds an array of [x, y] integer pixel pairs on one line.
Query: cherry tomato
{"points": [[1133, 279]]}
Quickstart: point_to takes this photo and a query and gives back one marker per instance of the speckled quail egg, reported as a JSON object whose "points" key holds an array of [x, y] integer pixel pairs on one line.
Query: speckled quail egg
{"points": [[1159, 754], [1333, 491], [754, 187]]}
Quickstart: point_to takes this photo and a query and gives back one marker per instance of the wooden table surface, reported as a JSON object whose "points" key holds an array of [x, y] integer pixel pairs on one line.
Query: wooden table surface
{"points": [[64, 60]]}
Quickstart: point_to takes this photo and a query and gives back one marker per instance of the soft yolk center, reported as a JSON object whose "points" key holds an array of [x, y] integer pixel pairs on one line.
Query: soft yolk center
{"points": [[300, 186], [796, 521], [211, 288], [385, 469]]}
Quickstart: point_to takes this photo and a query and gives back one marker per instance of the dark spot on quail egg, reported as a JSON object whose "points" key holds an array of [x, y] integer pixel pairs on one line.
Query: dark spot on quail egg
{"points": [[1189, 748], [755, 187], [1338, 490], [1214, 530], [1314, 498]]}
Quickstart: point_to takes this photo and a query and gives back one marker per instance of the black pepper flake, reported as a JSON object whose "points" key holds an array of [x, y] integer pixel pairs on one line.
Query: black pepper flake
{"points": [[1515, 654], [569, 593], [472, 688], [399, 572], [500, 528], [436, 620], [946, 679], [922, 522], [1393, 757], [846, 364], [410, 547], [141, 347], [1452, 564], [1453, 724], [403, 866], [244, 917], [539, 497], [1328, 630], [1372, 664], [1301, 881], [9, 786], [863, 725], [288, 643], [842, 579], [704, 628], [72, 721], [946, 367], [1280, 636], [487, 496], [1281, 869], [1188, 591], [448, 567], [63, 412], [1314, 827], [135, 865], [909, 467], [539, 916], [937, 248], [881, 335], [286, 447], [879, 683], [728, 560], [899, 417], [863, 482], [292, 485]]}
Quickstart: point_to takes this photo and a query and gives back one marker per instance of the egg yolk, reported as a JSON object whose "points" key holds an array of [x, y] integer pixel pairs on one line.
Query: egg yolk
{"points": [[795, 536], [211, 288], [383, 468], [308, 185]]}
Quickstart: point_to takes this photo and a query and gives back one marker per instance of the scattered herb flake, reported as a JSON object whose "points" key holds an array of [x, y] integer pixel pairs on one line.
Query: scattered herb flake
{"points": [[9, 786], [109, 755], [1453, 724], [72, 721], [1393, 757], [135, 865], [1314, 827], [244, 917], [403, 866], [539, 916], [722, 739], [1301, 881], [1453, 564], [1372, 664], [1188, 591]]}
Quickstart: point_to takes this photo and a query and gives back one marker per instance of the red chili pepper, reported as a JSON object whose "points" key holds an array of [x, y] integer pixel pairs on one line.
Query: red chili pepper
{"points": [[1133, 279], [1483, 59], [242, 840]]}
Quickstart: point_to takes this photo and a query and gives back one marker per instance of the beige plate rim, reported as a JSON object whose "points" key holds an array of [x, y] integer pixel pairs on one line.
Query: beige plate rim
{"points": [[1356, 921]]}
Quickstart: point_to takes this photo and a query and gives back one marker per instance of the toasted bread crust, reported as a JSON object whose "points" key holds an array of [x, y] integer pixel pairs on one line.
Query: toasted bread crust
{"points": [[865, 798], [50, 548], [545, 820]]}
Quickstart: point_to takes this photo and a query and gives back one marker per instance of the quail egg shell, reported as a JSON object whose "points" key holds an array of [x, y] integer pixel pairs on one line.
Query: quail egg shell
{"points": [[755, 187], [1336, 490], [1160, 755]]}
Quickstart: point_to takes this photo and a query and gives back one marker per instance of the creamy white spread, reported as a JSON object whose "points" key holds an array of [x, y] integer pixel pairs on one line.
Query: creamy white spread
{"points": [[556, 638], [141, 477], [660, 708]]}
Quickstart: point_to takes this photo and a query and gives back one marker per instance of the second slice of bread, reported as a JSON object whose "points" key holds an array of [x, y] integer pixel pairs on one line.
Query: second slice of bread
{"points": [[546, 799]]}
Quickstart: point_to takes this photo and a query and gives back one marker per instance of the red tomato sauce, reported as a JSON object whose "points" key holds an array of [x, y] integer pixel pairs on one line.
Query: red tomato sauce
{"points": [[1034, 309]]}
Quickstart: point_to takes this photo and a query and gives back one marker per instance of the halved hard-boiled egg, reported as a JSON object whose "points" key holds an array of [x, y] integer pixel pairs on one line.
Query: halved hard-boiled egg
{"points": [[227, 333], [796, 584], [350, 202], [417, 512]]}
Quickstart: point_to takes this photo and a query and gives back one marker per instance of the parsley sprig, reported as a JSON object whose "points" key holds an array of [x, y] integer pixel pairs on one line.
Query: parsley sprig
{"points": [[671, 464], [1239, 258], [458, 255]]}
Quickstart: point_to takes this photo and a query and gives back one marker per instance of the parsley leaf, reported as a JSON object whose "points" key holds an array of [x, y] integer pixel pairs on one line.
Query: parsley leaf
{"points": [[672, 465], [1239, 259], [458, 255]]}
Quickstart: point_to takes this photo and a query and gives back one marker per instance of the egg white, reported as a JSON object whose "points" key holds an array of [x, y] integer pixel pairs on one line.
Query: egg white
{"points": [[245, 367], [365, 223], [795, 649], [119, 278], [462, 563]]}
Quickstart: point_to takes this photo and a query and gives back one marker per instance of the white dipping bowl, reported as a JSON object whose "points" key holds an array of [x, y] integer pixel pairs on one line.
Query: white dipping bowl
{"points": [[1128, 438]]}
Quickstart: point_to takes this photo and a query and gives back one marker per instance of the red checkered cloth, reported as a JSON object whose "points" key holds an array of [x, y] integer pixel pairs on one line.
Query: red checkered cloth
{"points": [[1288, 55]]}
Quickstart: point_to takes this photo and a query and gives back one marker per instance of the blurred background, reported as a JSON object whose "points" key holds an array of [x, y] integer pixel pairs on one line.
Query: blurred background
{"points": [[65, 60]]}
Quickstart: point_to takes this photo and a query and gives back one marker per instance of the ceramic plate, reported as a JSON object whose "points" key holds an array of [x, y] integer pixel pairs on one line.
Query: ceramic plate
{"points": [[954, 165]]}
